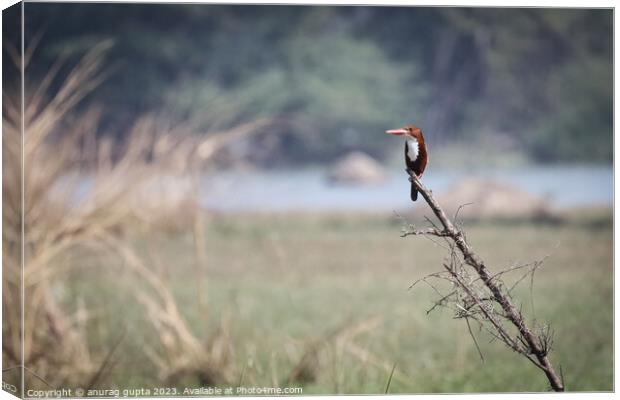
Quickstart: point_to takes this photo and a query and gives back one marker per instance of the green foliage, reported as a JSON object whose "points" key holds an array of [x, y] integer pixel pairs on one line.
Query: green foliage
{"points": [[537, 80], [579, 126], [337, 92], [550, 82]]}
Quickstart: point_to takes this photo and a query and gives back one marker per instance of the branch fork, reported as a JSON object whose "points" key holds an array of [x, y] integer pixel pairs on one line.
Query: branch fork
{"points": [[482, 296]]}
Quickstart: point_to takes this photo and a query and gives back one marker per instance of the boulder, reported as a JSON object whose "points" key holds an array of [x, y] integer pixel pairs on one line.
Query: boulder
{"points": [[356, 168], [491, 199]]}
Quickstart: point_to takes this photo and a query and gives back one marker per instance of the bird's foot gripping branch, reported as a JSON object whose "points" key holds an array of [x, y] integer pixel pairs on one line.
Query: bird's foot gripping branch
{"points": [[478, 296]]}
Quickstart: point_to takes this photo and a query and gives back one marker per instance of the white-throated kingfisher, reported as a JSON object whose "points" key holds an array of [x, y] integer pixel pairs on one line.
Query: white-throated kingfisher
{"points": [[416, 156]]}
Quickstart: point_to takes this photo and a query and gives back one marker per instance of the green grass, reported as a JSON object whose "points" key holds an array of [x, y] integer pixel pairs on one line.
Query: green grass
{"points": [[290, 280]]}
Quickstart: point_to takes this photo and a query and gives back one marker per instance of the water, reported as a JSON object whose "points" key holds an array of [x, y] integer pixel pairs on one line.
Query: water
{"points": [[308, 190]]}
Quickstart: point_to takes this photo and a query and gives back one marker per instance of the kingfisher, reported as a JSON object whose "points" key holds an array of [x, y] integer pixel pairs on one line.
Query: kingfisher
{"points": [[416, 156]]}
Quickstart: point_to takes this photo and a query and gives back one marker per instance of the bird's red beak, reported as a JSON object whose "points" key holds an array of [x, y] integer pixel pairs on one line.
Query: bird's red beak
{"points": [[397, 132]]}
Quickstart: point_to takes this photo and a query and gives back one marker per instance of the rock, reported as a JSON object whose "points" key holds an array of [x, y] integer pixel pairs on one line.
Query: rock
{"points": [[356, 168], [492, 199]]}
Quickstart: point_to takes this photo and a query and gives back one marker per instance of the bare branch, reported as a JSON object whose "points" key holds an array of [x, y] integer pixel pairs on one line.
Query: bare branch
{"points": [[458, 210], [429, 231], [474, 339], [483, 296]]}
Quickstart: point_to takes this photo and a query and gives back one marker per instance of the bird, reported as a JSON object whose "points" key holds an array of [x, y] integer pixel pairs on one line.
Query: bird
{"points": [[416, 155]]}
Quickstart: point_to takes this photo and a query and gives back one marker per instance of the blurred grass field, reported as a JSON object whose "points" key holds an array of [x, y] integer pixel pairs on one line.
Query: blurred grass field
{"points": [[333, 290]]}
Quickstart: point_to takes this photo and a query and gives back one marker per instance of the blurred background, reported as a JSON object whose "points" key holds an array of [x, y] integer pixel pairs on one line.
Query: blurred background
{"points": [[510, 88], [229, 164]]}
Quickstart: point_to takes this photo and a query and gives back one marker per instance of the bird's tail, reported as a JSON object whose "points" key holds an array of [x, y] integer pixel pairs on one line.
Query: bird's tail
{"points": [[414, 193]]}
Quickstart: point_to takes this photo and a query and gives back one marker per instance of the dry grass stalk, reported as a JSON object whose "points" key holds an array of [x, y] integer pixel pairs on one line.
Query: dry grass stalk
{"points": [[477, 295], [179, 353], [340, 341], [84, 192]]}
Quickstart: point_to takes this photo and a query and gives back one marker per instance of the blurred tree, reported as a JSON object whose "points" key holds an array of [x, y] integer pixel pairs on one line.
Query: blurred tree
{"points": [[549, 81], [336, 92], [538, 80]]}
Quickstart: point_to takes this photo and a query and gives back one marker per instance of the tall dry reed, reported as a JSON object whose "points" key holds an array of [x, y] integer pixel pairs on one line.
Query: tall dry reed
{"points": [[83, 191]]}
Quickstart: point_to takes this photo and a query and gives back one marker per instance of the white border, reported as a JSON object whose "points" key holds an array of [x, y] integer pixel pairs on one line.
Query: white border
{"points": [[462, 3]]}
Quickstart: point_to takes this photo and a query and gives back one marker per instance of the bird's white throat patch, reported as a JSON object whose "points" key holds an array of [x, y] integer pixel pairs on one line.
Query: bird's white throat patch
{"points": [[413, 149]]}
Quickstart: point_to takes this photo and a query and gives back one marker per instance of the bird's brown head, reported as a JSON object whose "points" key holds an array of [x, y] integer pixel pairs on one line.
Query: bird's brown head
{"points": [[408, 131]]}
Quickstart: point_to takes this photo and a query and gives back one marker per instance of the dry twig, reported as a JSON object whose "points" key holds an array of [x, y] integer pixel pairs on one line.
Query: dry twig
{"points": [[480, 296]]}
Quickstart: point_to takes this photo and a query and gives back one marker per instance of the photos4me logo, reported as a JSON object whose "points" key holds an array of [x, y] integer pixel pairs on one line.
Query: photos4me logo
{"points": [[8, 387]]}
